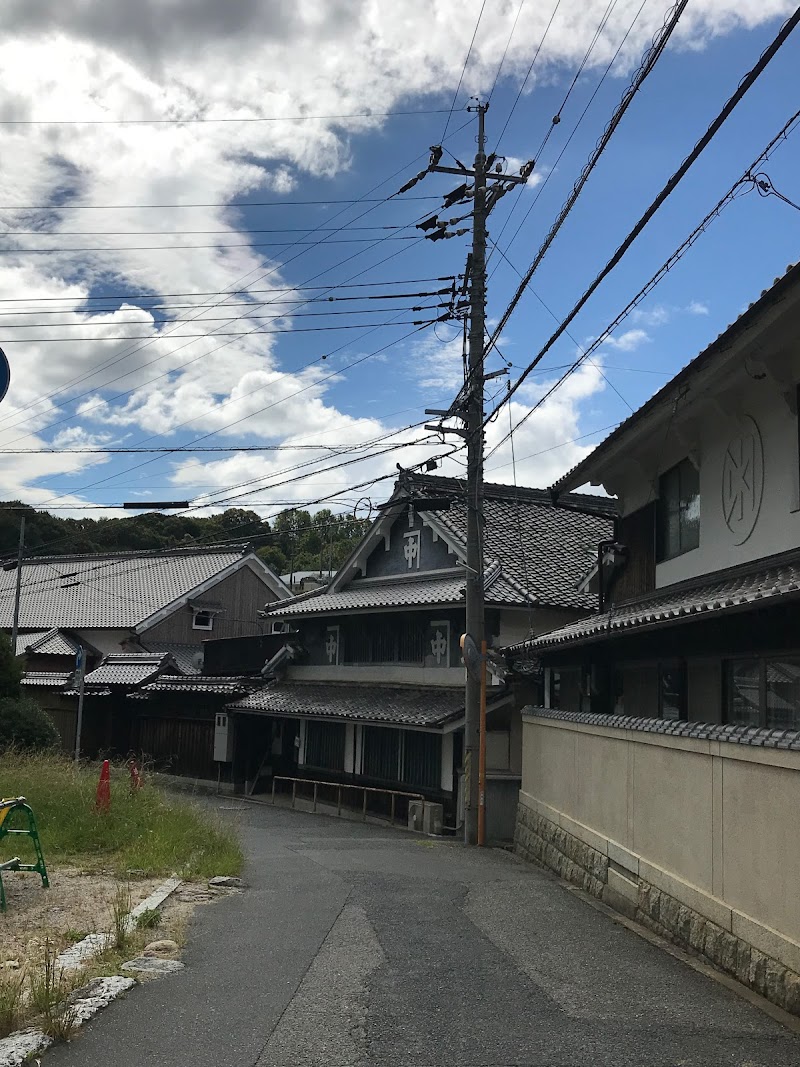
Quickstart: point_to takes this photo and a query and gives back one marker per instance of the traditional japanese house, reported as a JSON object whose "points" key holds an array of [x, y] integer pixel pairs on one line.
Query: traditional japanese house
{"points": [[371, 686]]}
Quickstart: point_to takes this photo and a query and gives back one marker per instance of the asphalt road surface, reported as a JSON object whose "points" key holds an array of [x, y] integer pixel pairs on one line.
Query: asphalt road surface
{"points": [[355, 946]]}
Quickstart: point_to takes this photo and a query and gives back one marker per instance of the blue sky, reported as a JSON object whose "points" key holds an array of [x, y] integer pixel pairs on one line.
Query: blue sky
{"points": [[275, 388]]}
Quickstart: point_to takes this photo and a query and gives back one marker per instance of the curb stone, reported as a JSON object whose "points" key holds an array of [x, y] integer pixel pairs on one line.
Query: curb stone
{"points": [[19, 1048]]}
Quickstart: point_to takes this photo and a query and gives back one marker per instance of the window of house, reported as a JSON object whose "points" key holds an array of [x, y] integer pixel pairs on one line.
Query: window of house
{"points": [[763, 692], [325, 742], [202, 620], [672, 689], [678, 510]]}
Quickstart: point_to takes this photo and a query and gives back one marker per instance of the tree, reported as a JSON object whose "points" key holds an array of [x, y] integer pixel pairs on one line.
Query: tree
{"points": [[23, 723]]}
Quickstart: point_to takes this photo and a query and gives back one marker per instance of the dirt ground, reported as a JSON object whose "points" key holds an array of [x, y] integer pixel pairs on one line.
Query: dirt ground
{"points": [[76, 904]]}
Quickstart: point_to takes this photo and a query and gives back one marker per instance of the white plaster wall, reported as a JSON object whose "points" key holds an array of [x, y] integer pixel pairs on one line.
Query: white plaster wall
{"points": [[711, 823], [107, 641], [705, 430], [387, 674]]}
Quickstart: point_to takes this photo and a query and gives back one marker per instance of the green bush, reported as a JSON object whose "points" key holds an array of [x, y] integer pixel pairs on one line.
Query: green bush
{"points": [[24, 724]]}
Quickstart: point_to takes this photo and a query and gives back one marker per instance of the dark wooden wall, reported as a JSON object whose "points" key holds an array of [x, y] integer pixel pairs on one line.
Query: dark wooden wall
{"points": [[242, 596], [637, 532]]}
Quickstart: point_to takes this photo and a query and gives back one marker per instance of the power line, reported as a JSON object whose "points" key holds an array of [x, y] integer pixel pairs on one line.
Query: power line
{"points": [[463, 70], [184, 248], [529, 71], [267, 407], [363, 198], [230, 292], [113, 309], [505, 50], [50, 208], [289, 314], [185, 364], [177, 121], [556, 120], [735, 190], [604, 138], [746, 83], [235, 333]]}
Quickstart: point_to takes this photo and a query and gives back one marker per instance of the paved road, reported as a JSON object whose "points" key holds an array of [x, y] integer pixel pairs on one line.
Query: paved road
{"points": [[357, 947]]}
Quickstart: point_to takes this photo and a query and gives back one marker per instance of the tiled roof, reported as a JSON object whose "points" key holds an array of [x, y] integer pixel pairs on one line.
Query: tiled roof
{"points": [[379, 704], [49, 679], [540, 548], [722, 342], [24, 640], [727, 592], [108, 590], [535, 552], [227, 684], [128, 669], [48, 643], [756, 736], [401, 592]]}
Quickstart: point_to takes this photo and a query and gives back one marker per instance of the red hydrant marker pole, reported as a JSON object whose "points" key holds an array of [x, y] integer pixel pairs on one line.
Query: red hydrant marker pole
{"points": [[103, 801]]}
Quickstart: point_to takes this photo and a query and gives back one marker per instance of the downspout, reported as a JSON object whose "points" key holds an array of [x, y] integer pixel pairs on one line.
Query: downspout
{"points": [[601, 548]]}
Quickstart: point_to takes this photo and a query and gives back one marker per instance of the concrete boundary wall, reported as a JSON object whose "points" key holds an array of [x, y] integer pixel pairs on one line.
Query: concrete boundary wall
{"points": [[696, 838]]}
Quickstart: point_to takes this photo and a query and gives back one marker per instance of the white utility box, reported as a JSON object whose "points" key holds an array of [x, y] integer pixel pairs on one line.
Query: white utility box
{"points": [[223, 738]]}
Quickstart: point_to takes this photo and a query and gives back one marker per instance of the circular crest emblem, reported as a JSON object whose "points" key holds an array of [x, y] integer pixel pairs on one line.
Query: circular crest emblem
{"points": [[743, 480]]}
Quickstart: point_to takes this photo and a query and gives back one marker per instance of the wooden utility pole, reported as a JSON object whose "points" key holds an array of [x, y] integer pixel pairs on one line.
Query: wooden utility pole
{"points": [[476, 625], [469, 407], [20, 550]]}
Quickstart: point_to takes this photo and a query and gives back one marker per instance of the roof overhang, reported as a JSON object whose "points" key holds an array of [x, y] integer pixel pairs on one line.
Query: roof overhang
{"points": [[637, 440]]}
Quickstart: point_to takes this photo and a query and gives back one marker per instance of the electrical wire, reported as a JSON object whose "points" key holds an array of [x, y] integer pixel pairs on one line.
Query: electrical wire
{"points": [[202, 355], [505, 51], [232, 292], [188, 248], [646, 64], [213, 119], [732, 194], [529, 71], [746, 83], [313, 385], [645, 67], [463, 70], [123, 355], [235, 333], [50, 208]]}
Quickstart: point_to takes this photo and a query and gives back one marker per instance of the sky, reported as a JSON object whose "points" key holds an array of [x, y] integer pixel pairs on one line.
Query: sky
{"points": [[200, 247]]}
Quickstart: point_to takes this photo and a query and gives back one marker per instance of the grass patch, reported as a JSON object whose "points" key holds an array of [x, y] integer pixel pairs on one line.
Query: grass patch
{"points": [[11, 1006], [147, 831]]}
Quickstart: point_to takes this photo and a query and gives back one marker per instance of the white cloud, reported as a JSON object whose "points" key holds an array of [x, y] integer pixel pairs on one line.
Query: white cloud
{"points": [[697, 307], [100, 59], [628, 341], [654, 316]]}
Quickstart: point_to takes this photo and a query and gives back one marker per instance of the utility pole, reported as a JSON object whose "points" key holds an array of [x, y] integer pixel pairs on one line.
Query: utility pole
{"points": [[15, 623], [468, 406], [476, 624], [80, 665]]}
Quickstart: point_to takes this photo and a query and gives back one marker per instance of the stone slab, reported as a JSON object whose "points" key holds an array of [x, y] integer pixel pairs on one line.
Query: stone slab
{"points": [[153, 965], [623, 857], [625, 887]]}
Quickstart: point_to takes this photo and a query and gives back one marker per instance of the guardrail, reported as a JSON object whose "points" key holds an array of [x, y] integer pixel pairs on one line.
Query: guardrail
{"points": [[393, 794]]}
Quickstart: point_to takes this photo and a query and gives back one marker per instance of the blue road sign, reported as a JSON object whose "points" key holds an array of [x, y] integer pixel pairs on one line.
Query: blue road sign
{"points": [[5, 374]]}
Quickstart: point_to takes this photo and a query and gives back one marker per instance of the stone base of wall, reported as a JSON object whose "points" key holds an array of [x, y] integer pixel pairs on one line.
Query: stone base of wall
{"points": [[539, 840]]}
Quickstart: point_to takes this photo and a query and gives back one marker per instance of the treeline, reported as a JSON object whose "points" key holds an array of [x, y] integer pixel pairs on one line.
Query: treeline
{"points": [[295, 540]]}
